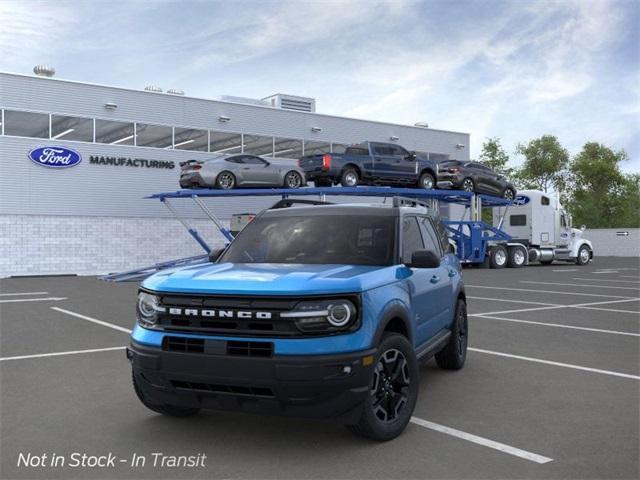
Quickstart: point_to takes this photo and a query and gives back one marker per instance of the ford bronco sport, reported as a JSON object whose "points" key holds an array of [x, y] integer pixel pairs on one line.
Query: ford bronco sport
{"points": [[319, 311]]}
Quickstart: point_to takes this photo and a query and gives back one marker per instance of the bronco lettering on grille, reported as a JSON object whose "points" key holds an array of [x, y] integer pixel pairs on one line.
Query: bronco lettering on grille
{"points": [[194, 312]]}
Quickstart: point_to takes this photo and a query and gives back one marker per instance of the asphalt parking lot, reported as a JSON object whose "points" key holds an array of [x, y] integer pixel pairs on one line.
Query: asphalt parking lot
{"points": [[550, 390]]}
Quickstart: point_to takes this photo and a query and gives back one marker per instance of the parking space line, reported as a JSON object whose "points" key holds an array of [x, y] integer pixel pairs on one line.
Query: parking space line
{"points": [[558, 325], [23, 293], [485, 442], [628, 276], [20, 300], [58, 354], [587, 306], [529, 290], [604, 280], [555, 364], [615, 310], [92, 320], [581, 285], [514, 301], [567, 270], [555, 307]]}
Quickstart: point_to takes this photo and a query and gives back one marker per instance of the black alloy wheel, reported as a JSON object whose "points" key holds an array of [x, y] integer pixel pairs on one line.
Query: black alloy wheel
{"points": [[390, 389]]}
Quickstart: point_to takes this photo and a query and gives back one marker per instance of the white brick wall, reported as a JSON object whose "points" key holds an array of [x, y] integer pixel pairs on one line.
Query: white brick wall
{"points": [[606, 242], [49, 245]]}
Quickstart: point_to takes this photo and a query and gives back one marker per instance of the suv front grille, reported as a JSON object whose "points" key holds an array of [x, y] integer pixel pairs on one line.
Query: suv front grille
{"points": [[217, 347], [232, 315]]}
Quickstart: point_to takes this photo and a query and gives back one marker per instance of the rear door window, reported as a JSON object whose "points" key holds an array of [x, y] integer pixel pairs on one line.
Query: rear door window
{"points": [[411, 238]]}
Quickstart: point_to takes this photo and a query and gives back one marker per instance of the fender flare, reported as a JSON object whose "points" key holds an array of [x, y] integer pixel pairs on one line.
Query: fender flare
{"points": [[580, 243], [395, 310]]}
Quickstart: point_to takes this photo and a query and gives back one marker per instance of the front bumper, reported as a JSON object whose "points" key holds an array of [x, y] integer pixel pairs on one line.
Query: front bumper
{"points": [[320, 386]]}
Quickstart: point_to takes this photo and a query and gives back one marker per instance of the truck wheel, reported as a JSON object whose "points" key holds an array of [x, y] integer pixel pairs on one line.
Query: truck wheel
{"points": [[517, 257], [169, 410], [349, 178], [454, 354], [226, 180], [584, 255], [498, 256], [468, 185], [393, 390], [427, 181]]}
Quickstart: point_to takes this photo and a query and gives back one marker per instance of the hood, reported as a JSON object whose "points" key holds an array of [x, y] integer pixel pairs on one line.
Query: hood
{"points": [[272, 279]]}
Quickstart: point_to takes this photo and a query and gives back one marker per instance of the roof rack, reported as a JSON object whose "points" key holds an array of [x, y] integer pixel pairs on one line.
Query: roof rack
{"points": [[290, 202]]}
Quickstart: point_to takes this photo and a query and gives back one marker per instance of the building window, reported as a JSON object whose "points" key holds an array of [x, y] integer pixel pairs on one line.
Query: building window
{"points": [[258, 145], [26, 124], [314, 148], [287, 148], [225, 142], [190, 139], [157, 136], [71, 128], [114, 133]]}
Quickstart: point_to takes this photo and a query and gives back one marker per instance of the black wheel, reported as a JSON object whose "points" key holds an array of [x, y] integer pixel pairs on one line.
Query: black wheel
{"points": [[584, 255], [349, 178], [427, 181], [226, 180], [517, 257], [508, 194], [293, 179], [454, 354], [468, 185], [393, 390], [498, 257], [164, 409], [322, 183]]}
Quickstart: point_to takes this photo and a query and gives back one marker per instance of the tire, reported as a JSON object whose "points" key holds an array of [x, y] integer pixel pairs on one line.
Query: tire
{"points": [[517, 257], [292, 179], [225, 180], [164, 409], [508, 194], [427, 181], [468, 185], [584, 255], [380, 419], [498, 256], [454, 354], [349, 178]]}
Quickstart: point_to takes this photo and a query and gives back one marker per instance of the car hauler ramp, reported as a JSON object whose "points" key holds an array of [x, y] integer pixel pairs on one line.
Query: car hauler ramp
{"points": [[471, 236]]}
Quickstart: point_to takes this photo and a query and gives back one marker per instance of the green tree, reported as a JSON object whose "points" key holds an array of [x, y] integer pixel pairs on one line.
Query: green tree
{"points": [[545, 164], [494, 156], [600, 195]]}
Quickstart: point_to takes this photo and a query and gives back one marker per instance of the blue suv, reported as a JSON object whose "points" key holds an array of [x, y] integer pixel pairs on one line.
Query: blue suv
{"points": [[319, 311]]}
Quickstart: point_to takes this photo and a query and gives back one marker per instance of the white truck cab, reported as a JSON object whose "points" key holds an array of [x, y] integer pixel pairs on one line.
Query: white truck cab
{"points": [[537, 221]]}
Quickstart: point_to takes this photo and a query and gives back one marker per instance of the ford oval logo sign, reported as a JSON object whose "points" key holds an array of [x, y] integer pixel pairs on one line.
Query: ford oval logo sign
{"points": [[55, 157], [521, 200]]}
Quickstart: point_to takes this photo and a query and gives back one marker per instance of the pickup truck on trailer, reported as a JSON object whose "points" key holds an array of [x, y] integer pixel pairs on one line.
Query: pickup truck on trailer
{"points": [[371, 163], [316, 310]]}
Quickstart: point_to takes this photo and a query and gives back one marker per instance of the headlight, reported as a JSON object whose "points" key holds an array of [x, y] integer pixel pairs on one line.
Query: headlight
{"points": [[323, 316], [148, 308]]}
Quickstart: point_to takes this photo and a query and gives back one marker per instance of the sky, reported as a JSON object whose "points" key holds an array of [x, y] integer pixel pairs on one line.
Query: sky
{"points": [[509, 69]]}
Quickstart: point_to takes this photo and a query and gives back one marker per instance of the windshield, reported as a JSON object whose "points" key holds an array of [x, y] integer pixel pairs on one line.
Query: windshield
{"points": [[316, 239]]}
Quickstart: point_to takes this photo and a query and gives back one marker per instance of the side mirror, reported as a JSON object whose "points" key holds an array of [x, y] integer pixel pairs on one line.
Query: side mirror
{"points": [[424, 259], [412, 156], [266, 164], [215, 254]]}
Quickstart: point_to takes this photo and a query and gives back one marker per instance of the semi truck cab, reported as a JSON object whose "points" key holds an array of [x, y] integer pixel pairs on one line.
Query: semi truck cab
{"points": [[538, 221]]}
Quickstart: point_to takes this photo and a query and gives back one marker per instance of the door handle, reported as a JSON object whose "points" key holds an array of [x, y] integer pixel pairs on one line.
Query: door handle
{"points": [[246, 168], [435, 279]]}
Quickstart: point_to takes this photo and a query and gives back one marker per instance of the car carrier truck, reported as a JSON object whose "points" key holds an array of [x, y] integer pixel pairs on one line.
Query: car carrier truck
{"points": [[540, 231]]}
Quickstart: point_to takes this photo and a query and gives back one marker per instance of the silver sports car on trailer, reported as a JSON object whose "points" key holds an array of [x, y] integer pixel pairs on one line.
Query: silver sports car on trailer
{"points": [[241, 170]]}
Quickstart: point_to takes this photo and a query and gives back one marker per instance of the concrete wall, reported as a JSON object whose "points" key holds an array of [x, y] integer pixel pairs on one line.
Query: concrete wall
{"points": [[608, 242]]}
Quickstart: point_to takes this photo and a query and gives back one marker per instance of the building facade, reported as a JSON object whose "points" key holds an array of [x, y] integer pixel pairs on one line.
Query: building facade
{"points": [[92, 217]]}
